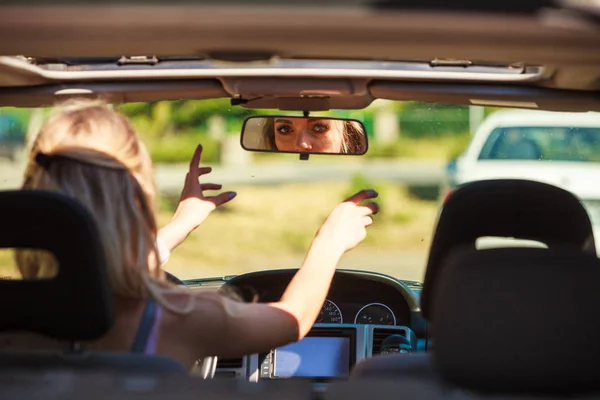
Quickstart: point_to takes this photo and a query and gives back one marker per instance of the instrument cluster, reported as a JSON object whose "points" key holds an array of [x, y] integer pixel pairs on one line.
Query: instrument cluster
{"points": [[371, 313]]}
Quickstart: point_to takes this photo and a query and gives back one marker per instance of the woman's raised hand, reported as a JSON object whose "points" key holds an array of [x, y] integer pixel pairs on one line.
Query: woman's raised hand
{"points": [[346, 226], [194, 205]]}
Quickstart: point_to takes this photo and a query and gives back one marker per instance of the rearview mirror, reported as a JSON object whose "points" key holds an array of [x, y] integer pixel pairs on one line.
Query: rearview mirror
{"points": [[304, 135]]}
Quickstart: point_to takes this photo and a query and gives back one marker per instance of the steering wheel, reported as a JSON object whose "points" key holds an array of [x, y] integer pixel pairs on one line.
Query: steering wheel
{"points": [[173, 279], [208, 365]]}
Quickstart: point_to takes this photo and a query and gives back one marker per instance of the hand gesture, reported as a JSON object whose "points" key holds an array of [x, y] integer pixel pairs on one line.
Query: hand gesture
{"points": [[194, 206], [346, 226]]}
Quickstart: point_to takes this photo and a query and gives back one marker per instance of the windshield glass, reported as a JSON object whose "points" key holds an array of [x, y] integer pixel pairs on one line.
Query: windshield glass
{"points": [[281, 201], [544, 143]]}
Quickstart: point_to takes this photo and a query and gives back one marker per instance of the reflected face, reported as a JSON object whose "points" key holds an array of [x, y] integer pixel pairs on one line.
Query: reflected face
{"points": [[312, 135]]}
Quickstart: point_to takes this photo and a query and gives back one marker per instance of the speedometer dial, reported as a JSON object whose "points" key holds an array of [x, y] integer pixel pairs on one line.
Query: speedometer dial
{"points": [[330, 314], [375, 314]]}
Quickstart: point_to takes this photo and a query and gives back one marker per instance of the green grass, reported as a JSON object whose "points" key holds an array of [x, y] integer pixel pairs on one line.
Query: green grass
{"points": [[278, 223]]}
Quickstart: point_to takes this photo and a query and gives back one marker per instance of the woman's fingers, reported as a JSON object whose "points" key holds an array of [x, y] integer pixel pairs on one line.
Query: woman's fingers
{"points": [[204, 170], [195, 162], [222, 198], [369, 208], [362, 196], [210, 186], [367, 220], [193, 175], [195, 168]]}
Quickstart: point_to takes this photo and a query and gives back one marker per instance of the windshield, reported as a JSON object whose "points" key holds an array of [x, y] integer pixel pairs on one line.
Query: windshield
{"points": [[281, 200], [544, 143]]}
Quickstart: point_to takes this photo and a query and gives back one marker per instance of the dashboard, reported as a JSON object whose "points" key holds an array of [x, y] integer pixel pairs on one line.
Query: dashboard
{"points": [[363, 311], [355, 297]]}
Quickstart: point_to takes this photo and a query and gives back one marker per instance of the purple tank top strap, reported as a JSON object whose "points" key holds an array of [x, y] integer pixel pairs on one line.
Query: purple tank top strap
{"points": [[153, 339]]}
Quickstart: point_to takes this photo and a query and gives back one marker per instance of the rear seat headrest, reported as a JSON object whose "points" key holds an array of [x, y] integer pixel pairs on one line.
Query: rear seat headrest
{"points": [[75, 305], [518, 320], [506, 208]]}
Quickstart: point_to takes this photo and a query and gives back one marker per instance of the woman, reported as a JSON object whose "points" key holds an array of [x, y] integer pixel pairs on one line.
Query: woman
{"points": [[90, 152], [314, 135]]}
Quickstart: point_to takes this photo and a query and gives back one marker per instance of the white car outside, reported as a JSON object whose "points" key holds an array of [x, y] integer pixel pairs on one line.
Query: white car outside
{"points": [[562, 149]]}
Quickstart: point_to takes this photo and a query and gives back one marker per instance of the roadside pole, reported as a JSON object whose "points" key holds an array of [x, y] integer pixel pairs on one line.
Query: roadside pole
{"points": [[386, 124], [476, 116]]}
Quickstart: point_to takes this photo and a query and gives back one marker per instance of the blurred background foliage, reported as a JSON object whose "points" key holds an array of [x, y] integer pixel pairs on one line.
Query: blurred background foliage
{"points": [[426, 130], [171, 128], [275, 234]]}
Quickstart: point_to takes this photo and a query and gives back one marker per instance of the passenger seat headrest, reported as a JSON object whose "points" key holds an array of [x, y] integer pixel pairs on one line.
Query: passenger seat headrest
{"points": [[518, 320], [505, 208], [75, 305]]}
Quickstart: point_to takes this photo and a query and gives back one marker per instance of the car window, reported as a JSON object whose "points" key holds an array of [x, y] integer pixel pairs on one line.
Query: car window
{"points": [[546, 143], [281, 201]]}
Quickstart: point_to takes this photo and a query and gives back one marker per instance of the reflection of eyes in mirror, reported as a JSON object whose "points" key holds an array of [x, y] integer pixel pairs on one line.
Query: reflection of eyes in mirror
{"points": [[304, 135], [286, 126], [27, 264]]}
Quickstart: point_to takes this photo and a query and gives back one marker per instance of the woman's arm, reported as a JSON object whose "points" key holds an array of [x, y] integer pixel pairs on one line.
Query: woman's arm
{"points": [[306, 293], [164, 252], [227, 328]]}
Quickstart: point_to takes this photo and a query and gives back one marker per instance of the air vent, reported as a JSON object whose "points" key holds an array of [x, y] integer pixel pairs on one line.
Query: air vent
{"points": [[230, 363], [379, 334]]}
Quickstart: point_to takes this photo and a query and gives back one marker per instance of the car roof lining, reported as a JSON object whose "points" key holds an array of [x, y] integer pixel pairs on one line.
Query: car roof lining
{"points": [[560, 54], [322, 32]]}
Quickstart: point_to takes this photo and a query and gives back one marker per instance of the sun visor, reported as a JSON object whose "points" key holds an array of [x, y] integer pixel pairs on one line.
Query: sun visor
{"points": [[294, 87], [113, 92], [299, 93], [488, 95]]}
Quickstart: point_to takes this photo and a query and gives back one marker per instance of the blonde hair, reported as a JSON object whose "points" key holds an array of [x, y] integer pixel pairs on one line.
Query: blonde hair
{"points": [[97, 158]]}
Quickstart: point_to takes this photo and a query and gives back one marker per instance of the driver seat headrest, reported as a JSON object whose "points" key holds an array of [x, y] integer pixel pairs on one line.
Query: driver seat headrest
{"points": [[512, 208], [518, 320], [77, 304]]}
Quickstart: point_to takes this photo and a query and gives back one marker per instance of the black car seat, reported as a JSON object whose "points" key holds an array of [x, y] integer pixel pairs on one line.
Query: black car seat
{"points": [[514, 208], [76, 306], [518, 322], [506, 208], [509, 323], [70, 385]]}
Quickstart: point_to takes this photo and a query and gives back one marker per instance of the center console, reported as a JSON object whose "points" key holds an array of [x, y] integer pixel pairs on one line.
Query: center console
{"points": [[323, 355], [328, 353]]}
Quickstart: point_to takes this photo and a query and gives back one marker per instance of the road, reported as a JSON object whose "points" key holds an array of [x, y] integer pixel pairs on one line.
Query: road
{"points": [[169, 178]]}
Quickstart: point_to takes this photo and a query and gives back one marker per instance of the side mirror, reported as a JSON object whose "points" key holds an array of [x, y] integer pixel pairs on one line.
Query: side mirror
{"points": [[304, 135]]}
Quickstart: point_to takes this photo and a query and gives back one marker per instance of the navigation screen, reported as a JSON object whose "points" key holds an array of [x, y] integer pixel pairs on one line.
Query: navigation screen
{"points": [[315, 357]]}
